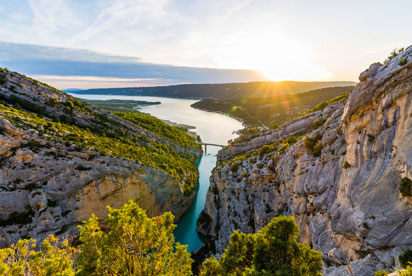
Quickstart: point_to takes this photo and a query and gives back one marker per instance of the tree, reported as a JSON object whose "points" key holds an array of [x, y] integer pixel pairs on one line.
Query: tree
{"points": [[53, 258], [271, 251], [135, 245]]}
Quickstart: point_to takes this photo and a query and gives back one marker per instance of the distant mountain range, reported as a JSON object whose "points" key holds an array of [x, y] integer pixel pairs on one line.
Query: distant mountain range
{"points": [[228, 90]]}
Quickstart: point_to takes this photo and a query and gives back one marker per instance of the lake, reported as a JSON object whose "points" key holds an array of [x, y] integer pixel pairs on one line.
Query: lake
{"points": [[212, 127]]}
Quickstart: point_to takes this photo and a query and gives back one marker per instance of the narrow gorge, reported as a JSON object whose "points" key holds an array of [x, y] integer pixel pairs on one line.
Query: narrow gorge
{"points": [[63, 159], [343, 171]]}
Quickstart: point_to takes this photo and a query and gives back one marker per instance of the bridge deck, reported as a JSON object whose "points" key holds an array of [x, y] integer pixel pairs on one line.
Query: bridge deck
{"points": [[211, 144]]}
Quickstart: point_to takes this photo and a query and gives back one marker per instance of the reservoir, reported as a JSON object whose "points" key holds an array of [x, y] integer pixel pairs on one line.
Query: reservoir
{"points": [[212, 127]]}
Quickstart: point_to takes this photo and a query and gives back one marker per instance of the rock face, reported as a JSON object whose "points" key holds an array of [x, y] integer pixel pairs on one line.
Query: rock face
{"points": [[49, 187], [341, 185]]}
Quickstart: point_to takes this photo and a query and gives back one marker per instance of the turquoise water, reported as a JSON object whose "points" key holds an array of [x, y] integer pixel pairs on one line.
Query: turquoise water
{"points": [[212, 127]]}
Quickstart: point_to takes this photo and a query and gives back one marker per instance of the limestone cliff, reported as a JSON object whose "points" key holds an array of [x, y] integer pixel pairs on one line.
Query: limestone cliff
{"points": [[338, 170], [66, 159]]}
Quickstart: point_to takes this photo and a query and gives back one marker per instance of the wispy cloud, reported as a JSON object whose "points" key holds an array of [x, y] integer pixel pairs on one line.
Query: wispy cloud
{"points": [[53, 16], [223, 34]]}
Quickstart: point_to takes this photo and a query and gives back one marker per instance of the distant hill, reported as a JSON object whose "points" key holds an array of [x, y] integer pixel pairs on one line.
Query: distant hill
{"points": [[229, 90], [272, 110]]}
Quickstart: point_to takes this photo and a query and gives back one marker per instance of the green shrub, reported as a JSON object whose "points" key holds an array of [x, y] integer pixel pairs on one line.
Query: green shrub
{"points": [[275, 126], [371, 138], [265, 149], [405, 259], [318, 123], [117, 143], [317, 149], [405, 187], [346, 165], [135, 245], [291, 140], [380, 273], [283, 148], [53, 101], [403, 61], [271, 251], [314, 145], [234, 167]]}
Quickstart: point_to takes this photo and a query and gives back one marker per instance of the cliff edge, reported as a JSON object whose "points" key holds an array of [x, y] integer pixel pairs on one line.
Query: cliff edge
{"points": [[63, 159], [343, 171]]}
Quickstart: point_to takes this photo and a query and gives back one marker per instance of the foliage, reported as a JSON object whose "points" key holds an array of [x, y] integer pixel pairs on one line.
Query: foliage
{"points": [[403, 61], [324, 104], [53, 258], [122, 144], [405, 187], [394, 54], [275, 110], [405, 258], [119, 105], [160, 128], [346, 165], [314, 144], [275, 126], [135, 245], [404, 272], [24, 104], [265, 149], [271, 251], [234, 167]]}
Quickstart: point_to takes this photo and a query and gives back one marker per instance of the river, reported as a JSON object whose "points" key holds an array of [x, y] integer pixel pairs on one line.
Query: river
{"points": [[212, 127]]}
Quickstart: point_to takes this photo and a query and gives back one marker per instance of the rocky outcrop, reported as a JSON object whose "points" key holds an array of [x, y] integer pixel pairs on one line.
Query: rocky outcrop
{"points": [[48, 186], [341, 182]]}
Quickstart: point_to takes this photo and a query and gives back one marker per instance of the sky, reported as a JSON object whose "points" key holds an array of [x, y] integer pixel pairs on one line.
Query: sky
{"points": [[113, 43]]}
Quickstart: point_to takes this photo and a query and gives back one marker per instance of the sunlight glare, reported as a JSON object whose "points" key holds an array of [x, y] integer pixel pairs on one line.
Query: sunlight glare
{"points": [[274, 55]]}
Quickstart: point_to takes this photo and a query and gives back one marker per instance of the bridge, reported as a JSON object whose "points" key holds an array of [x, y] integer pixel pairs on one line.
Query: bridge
{"points": [[211, 144]]}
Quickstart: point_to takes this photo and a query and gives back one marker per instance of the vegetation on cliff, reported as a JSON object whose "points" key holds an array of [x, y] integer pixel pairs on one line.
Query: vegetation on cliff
{"points": [[262, 89], [119, 105], [63, 119], [139, 245], [271, 251], [271, 112], [157, 155]]}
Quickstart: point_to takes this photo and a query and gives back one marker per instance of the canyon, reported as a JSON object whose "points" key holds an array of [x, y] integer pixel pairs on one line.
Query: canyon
{"points": [[64, 160], [342, 171]]}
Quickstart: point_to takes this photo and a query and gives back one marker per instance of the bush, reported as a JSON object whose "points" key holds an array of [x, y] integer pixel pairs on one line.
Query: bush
{"points": [[403, 61], [380, 273], [53, 258], [314, 145], [405, 187], [275, 126], [135, 245], [317, 149], [53, 101], [234, 167], [405, 259], [346, 165], [265, 149], [271, 251], [371, 138]]}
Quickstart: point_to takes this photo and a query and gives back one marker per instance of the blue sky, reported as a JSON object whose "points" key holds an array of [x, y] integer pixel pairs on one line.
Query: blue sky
{"points": [[282, 40]]}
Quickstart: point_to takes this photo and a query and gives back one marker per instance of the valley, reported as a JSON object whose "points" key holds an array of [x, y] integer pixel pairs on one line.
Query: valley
{"points": [[325, 164]]}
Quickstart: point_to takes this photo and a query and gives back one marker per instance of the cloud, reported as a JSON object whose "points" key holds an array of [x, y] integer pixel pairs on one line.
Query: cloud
{"points": [[70, 65]]}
